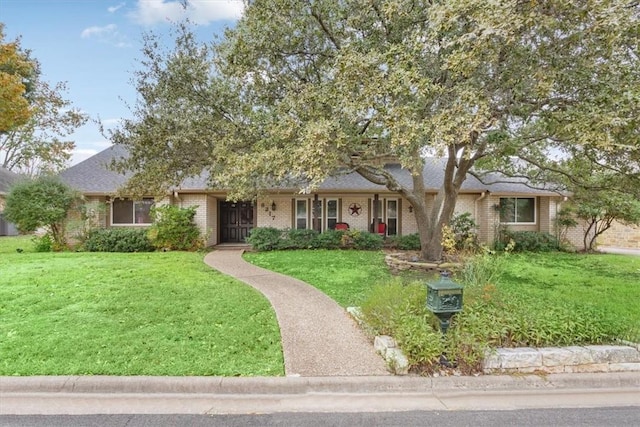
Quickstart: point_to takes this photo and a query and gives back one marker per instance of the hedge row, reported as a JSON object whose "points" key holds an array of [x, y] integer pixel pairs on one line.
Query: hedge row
{"points": [[269, 239]]}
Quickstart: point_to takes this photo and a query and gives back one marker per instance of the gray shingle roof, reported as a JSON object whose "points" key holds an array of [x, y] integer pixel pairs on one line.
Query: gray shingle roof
{"points": [[92, 176], [7, 179]]}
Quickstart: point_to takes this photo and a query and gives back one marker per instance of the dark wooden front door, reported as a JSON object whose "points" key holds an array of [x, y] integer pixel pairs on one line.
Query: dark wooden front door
{"points": [[236, 221]]}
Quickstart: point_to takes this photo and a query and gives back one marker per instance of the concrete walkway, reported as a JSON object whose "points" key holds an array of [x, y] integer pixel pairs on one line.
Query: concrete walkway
{"points": [[319, 338]]}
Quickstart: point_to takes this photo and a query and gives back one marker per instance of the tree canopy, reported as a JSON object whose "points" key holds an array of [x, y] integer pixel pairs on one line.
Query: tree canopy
{"points": [[305, 89], [15, 71], [35, 118]]}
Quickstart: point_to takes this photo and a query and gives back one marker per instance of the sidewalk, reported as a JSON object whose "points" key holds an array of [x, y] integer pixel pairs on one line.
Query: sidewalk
{"points": [[218, 395], [319, 338]]}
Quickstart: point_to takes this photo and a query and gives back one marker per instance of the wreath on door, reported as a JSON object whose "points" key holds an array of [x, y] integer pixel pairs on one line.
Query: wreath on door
{"points": [[354, 209]]}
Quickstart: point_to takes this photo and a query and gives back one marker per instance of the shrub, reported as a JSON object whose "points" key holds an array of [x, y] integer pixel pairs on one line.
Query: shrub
{"points": [[173, 228], [300, 239], [118, 240], [42, 243], [44, 202], [365, 241], [269, 238], [464, 231], [410, 242], [529, 241], [265, 238], [330, 239]]}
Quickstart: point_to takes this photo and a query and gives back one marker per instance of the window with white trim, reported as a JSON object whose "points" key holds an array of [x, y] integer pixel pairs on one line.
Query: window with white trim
{"points": [[301, 214], [392, 217], [332, 214], [131, 212], [518, 210]]}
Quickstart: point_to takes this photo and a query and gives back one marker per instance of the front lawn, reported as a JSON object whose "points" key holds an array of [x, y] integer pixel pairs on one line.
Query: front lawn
{"points": [[605, 281], [347, 276], [608, 282], [129, 314]]}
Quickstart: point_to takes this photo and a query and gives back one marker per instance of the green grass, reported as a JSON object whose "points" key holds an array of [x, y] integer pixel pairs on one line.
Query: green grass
{"points": [[608, 282], [346, 276], [129, 314]]}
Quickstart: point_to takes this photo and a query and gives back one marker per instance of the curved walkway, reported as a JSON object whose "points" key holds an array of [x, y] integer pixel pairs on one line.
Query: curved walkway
{"points": [[319, 338]]}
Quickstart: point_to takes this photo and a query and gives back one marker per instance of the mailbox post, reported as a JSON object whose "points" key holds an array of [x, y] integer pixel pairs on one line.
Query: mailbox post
{"points": [[444, 299]]}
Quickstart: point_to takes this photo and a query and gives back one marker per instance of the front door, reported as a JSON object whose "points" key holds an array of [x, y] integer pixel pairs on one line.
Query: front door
{"points": [[236, 221]]}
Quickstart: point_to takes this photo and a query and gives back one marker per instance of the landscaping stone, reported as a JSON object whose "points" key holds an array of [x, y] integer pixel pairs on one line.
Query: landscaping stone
{"points": [[613, 354], [397, 361], [383, 342]]}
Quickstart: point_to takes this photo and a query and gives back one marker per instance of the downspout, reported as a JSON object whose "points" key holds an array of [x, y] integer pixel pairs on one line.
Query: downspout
{"points": [[475, 208]]}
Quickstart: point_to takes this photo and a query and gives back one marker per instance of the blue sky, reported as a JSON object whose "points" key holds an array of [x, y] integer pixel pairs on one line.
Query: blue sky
{"points": [[94, 46]]}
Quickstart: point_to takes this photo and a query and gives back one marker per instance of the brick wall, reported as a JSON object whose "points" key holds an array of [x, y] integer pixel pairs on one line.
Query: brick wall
{"points": [[621, 236], [200, 202]]}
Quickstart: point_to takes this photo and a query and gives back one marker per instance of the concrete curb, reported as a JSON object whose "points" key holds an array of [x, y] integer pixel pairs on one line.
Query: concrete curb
{"points": [[304, 385]]}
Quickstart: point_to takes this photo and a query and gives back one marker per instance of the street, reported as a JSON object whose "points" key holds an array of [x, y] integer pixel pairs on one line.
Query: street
{"points": [[617, 416]]}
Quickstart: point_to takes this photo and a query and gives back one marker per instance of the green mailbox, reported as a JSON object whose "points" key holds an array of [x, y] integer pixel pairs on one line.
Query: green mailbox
{"points": [[444, 299]]}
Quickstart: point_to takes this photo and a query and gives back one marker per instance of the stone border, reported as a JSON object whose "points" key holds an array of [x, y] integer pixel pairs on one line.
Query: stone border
{"points": [[553, 360], [546, 360], [396, 264]]}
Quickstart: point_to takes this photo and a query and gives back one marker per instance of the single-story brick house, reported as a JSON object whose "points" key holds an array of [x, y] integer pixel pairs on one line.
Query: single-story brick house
{"points": [[7, 179], [344, 199]]}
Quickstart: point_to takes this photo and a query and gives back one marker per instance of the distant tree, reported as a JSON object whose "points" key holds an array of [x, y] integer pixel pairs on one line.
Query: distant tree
{"points": [[35, 119], [16, 69], [302, 90], [600, 210], [41, 203]]}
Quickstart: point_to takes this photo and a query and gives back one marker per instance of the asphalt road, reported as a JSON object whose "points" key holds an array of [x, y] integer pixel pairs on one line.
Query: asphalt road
{"points": [[626, 416]]}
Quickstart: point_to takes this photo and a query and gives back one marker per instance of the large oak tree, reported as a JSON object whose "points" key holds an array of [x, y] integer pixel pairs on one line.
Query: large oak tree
{"points": [[300, 90]]}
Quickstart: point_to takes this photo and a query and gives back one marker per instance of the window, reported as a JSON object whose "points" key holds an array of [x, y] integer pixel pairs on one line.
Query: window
{"points": [[301, 214], [392, 217], [332, 214], [130, 212], [518, 210]]}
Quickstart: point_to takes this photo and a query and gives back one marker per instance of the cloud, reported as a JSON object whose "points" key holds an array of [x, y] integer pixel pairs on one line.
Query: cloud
{"points": [[149, 12], [108, 34], [98, 31], [112, 9]]}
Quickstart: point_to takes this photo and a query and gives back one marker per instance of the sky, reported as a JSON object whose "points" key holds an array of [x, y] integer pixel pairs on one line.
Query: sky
{"points": [[95, 47]]}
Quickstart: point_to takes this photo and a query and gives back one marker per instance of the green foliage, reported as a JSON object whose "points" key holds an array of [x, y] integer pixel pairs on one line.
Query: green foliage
{"points": [[173, 228], [481, 270], [600, 209], [265, 238], [269, 238], [408, 242], [118, 240], [42, 243], [528, 241], [330, 239], [43, 202], [363, 240], [300, 239], [464, 229]]}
